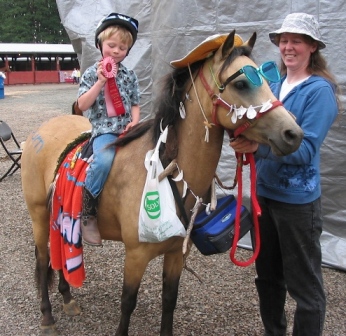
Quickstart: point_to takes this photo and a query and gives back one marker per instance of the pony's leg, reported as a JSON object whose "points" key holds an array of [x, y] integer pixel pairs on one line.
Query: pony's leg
{"points": [[44, 278], [44, 273], [172, 268], [70, 306], [135, 265]]}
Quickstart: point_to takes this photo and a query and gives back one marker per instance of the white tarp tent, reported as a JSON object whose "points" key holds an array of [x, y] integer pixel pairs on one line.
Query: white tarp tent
{"points": [[169, 29]]}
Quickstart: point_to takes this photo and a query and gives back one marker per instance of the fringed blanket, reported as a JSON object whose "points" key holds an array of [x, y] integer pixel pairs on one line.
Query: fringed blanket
{"points": [[65, 222]]}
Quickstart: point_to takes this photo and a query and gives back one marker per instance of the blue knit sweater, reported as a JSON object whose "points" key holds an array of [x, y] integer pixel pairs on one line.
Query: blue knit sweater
{"points": [[295, 178]]}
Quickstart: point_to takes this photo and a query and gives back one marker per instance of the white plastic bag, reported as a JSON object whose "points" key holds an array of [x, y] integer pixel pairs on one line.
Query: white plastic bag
{"points": [[158, 220]]}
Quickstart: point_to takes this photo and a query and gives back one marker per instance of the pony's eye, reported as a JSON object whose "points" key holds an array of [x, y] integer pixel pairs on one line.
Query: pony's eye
{"points": [[241, 85]]}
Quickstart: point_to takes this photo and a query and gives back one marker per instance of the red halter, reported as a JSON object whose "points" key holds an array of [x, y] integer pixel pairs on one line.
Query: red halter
{"points": [[218, 101]]}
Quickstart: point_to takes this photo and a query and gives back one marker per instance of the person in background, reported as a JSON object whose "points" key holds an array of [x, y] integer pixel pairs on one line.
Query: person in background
{"points": [[109, 93], [74, 76], [78, 75], [289, 188]]}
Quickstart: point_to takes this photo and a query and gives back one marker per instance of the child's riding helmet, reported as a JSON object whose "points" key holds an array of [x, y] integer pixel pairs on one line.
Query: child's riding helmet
{"points": [[116, 19]]}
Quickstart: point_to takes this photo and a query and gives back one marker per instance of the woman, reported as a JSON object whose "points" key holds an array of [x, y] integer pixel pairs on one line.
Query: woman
{"points": [[289, 188]]}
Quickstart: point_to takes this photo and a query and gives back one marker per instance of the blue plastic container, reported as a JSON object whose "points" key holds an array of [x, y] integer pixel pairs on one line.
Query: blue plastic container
{"points": [[214, 233], [2, 88]]}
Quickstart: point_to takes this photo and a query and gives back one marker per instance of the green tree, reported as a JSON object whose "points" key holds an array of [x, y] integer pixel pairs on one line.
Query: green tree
{"points": [[31, 21]]}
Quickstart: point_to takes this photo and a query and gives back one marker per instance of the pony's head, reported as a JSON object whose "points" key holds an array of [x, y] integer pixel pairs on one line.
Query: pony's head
{"points": [[242, 101], [232, 92]]}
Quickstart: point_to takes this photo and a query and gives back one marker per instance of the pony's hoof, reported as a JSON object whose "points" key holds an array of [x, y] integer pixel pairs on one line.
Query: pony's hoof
{"points": [[49, 330], [72, 308]]}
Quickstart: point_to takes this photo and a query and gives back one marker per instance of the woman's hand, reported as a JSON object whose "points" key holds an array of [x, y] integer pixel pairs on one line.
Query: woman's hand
{"points": [[243, 145]]}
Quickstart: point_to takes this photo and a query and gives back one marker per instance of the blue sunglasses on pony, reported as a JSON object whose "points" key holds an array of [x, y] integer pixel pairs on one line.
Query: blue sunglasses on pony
{"points": [[268, 70]]}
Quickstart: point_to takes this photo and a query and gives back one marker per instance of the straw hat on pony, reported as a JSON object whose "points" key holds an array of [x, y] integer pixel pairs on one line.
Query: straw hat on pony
{"points": [[205, 49]]}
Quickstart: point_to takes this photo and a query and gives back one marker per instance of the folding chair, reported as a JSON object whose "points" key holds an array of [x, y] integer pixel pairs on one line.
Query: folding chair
{"points": [[14, 152]]}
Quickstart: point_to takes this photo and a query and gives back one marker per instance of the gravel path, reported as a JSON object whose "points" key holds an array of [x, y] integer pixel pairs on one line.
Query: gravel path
{"points": [[224, 304]]}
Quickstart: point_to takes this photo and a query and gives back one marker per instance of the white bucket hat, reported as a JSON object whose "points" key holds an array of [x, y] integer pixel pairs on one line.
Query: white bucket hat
{"points": [[299, 23]]}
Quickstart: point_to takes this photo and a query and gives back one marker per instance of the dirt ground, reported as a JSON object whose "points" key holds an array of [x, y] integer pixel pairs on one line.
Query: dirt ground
{"points": [[224, 304]]}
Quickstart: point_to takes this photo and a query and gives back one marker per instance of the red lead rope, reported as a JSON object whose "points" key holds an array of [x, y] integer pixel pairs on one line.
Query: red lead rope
{"points": [[256, 210]]}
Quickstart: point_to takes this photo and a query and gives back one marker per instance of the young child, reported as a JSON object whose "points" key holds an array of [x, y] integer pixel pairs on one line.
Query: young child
{"points": [[109, 93]]}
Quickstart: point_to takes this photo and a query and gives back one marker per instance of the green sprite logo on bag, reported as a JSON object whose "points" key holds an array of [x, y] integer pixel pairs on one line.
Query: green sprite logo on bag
{"points": [[152, 204]]}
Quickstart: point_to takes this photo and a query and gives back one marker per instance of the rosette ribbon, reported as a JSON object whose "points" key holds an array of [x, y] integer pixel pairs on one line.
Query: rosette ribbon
{"points": [[114, 103]]}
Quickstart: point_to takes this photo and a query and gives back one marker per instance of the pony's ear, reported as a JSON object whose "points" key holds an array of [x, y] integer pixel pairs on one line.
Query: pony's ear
{"points": [[228, 44], [251, 41]]}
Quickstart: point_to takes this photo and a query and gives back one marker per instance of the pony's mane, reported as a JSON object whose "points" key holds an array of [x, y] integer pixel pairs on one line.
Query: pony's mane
{"points": [[174, 87], [172, 93]]}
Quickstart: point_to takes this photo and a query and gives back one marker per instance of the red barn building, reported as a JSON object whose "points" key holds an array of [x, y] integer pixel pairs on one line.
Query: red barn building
{"points": [[27, 63]]}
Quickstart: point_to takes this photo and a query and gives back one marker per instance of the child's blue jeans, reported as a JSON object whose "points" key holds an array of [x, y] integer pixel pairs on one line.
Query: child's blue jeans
{"points": [[101, 164]]}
